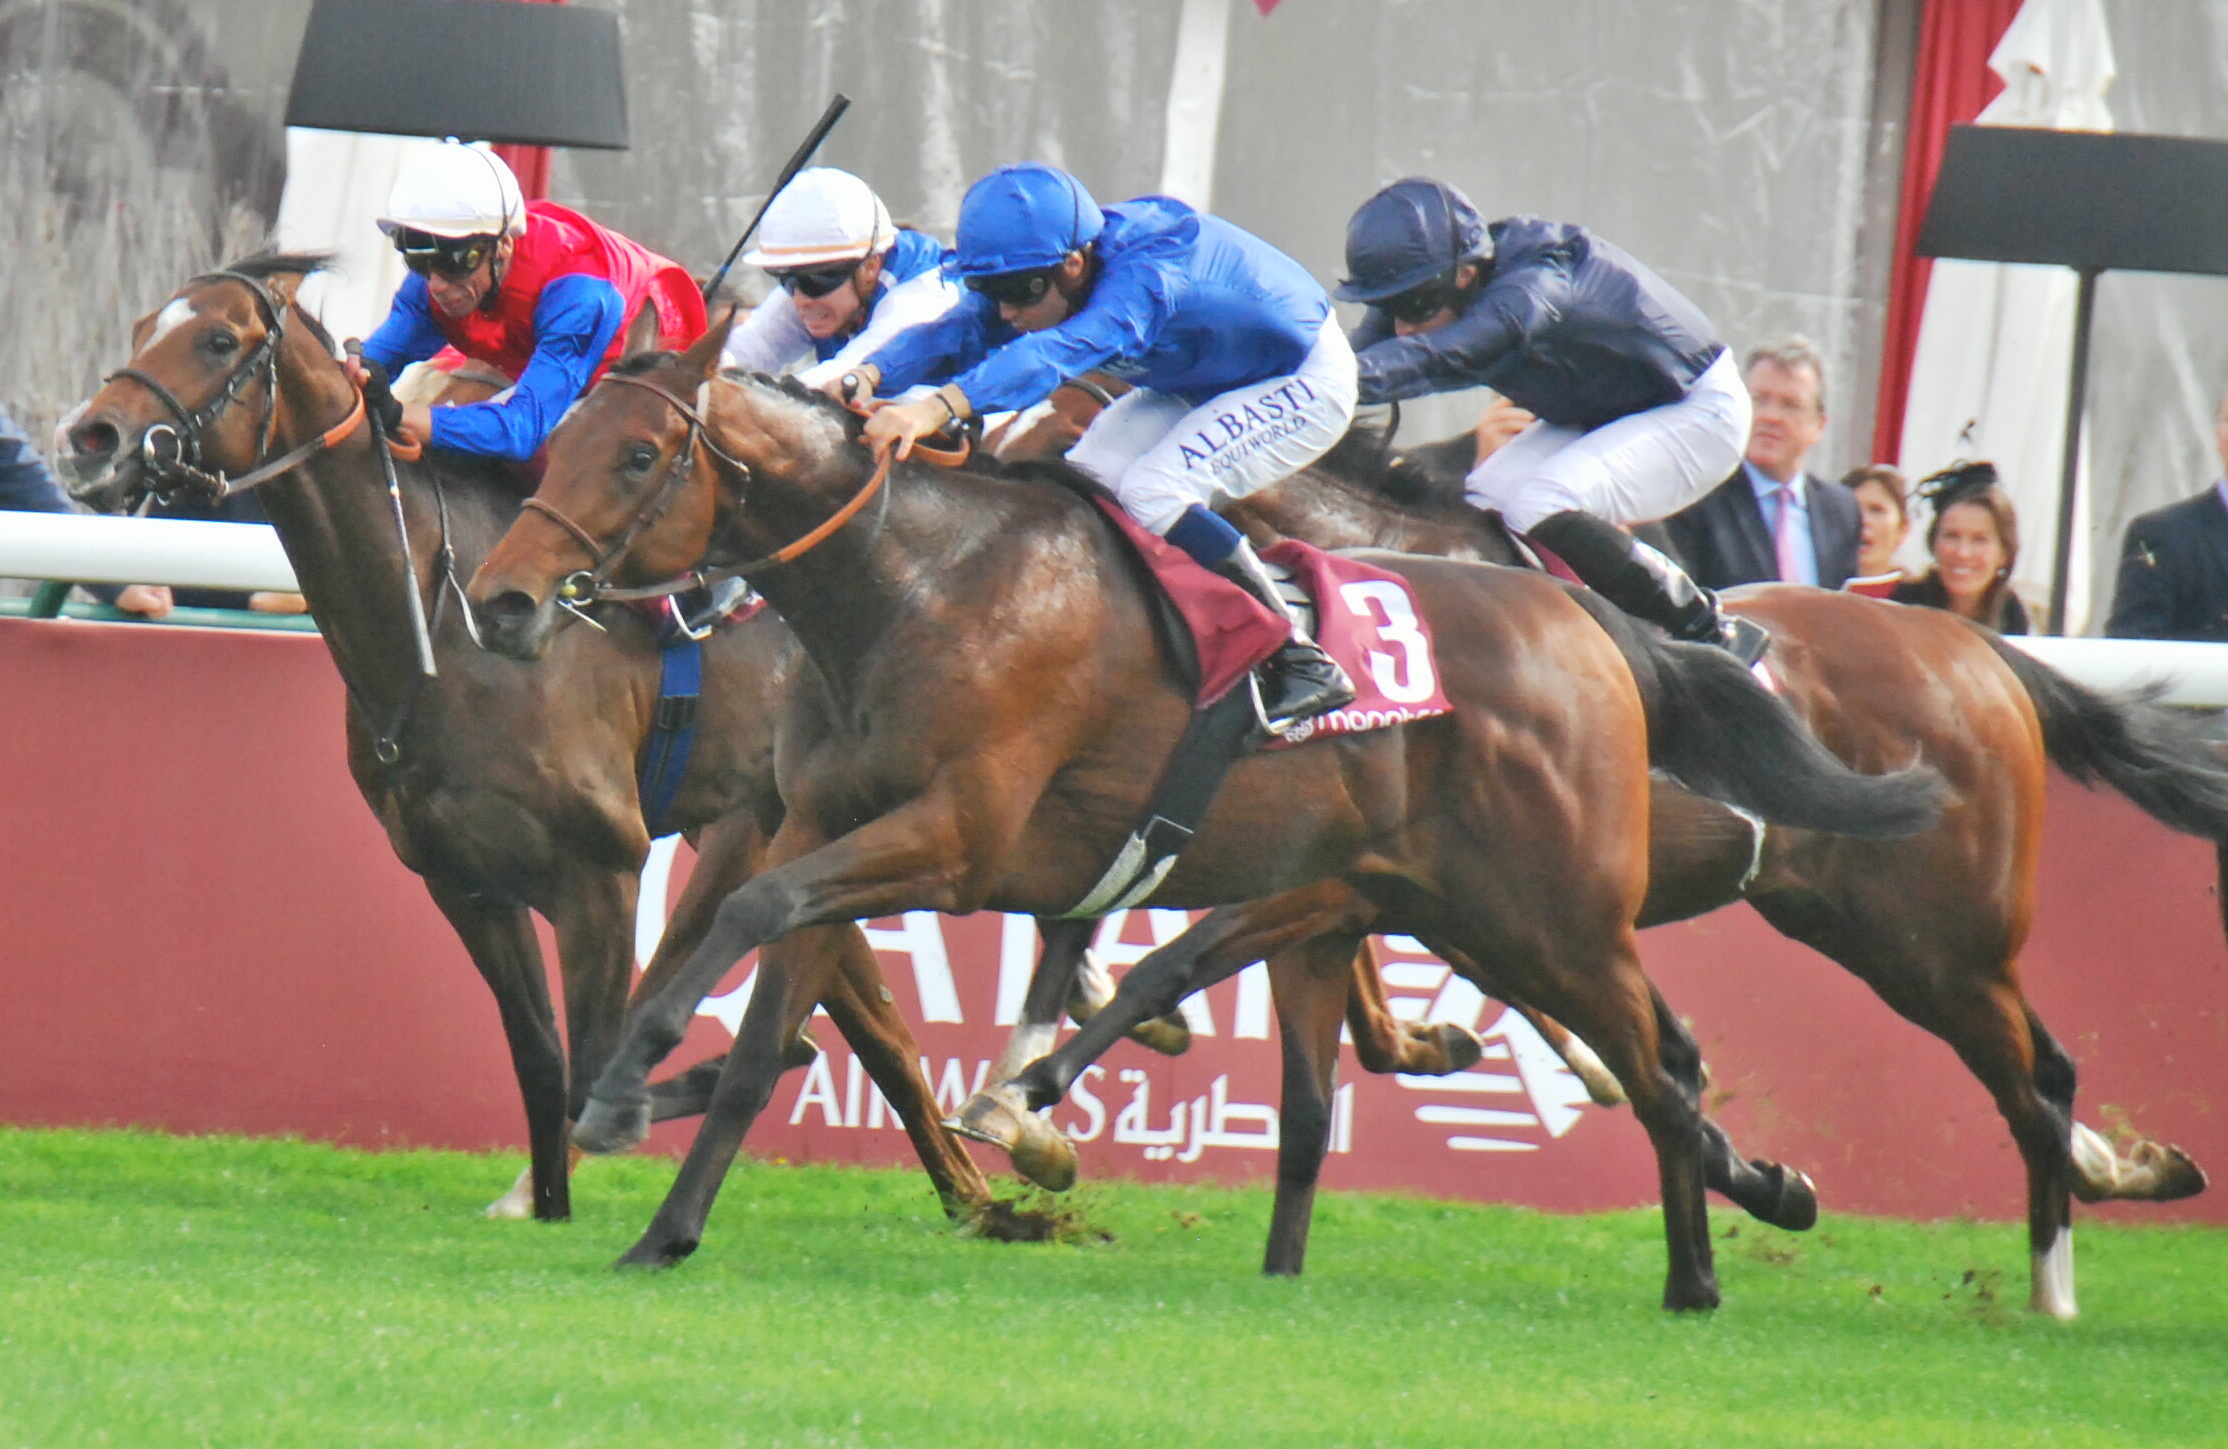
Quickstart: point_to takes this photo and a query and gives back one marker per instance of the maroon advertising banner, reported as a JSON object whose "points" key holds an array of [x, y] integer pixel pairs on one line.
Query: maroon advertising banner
{"points": [[205, 931]]}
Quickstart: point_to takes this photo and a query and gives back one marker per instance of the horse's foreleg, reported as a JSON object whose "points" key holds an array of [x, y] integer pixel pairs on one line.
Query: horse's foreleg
{"points": [[1311, 983], [896, 862], [793, 975], [1770, 1192], [864, 1012], [592, 912], [1056, 978], [501, 942]]}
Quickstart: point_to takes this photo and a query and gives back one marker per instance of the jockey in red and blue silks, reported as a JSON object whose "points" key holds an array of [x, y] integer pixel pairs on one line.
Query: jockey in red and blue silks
{"points": [[1640, 409], [1241, 375], [531, 288]]}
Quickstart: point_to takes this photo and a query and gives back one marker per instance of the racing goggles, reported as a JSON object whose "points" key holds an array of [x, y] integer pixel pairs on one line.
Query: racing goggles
{"points": [[1014, 289], [818, 282], [453, 257], [1421, 304]]}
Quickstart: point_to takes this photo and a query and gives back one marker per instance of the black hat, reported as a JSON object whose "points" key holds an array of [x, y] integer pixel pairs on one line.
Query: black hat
{"points": [[1408, 233]]}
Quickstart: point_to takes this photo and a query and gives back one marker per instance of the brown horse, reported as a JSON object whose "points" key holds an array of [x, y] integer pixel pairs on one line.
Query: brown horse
{"points": [[507, 788], [1933, 924], [992, 706]]}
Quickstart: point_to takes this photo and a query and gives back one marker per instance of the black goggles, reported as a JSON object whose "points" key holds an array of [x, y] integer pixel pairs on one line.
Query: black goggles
{"points": [[818, 282], [455, 257], [1014, 289], [1421, 304]]}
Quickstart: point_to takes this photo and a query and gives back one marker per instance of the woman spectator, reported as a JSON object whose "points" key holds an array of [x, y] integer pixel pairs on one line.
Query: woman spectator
{"points": [[1974, 539], [1883, 519]]}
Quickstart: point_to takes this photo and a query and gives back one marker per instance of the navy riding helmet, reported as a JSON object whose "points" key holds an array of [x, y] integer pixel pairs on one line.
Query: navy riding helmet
{"points": [[1413, 231]]}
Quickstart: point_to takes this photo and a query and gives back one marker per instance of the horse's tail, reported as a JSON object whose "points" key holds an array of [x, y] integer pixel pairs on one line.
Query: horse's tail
{"points": [[2167, 763], [1723, 735]]}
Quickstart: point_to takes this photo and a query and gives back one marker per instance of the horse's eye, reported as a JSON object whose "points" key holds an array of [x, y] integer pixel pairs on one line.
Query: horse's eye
{"points": [[223, 343], [641, 458]]}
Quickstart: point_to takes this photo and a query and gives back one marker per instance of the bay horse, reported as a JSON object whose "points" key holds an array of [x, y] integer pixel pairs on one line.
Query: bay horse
{"points": [[1933, 924], [991, 706], [506, 788]]}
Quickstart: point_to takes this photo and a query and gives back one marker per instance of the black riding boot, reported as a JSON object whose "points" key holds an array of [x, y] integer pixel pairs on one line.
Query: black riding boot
{"points": [[1647, 585], [1302, 679]]}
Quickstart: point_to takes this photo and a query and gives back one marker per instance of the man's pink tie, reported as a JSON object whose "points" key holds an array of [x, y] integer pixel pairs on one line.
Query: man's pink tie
{"points": [[1784, 539]]}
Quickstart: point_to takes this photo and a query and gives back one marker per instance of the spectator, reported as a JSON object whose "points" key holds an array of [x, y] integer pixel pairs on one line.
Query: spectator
{"points": [[2174, 565], [1884, 520], [1771, 519], [26, 483], [1974, 539]]}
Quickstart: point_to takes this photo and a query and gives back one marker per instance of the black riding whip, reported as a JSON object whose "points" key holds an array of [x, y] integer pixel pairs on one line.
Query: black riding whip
{"points": [[820, 130]]}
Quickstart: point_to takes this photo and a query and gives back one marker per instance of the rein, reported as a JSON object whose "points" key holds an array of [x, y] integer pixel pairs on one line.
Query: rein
{"points": [[172, 455], [590, 586]]}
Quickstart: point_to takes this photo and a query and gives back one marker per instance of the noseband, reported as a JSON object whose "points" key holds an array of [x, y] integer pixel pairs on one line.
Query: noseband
{"points": [[591, 584], [172, 455]]}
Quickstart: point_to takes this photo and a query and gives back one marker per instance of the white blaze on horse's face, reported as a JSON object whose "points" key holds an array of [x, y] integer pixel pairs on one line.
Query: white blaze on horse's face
{"points": [[175, 313]]}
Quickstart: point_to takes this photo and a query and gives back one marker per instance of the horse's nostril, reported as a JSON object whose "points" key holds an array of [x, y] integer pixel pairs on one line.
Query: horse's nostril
{"points": [[94, 442], [512, 606]]}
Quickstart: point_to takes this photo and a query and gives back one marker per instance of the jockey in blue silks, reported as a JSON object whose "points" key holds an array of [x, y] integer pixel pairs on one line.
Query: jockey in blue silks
{"points": [[1241, 375], [1641, 409], [850, 280]]}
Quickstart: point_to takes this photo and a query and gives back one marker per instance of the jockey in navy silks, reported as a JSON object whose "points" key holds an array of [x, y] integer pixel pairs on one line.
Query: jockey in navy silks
{"points": [[1641, 409], [532, 288], [1241, 375], [849, 280]]}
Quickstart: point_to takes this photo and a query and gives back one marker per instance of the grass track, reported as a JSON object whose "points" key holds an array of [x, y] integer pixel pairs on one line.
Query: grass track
{"points": [[160, 1291]]}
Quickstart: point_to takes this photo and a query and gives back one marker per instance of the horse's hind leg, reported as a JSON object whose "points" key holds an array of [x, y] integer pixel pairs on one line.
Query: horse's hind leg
{"points": [[501, 942], [1069, 981], [1311, 983], [1384, 1044], [1770, 1192], [869, 1020], [794, 973]]}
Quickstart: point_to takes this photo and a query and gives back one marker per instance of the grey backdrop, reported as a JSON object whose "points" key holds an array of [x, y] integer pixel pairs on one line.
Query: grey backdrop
{"points": [[1746, 150]]}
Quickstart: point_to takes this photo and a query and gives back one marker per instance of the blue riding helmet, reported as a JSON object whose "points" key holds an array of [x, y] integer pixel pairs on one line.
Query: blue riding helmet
{"points": [[1410, 232], [1020, 218]]}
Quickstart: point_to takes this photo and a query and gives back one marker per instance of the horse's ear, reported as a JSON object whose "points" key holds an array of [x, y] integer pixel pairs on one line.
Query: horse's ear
{"points": [[704, 353], [283, 285], [142, 327]]}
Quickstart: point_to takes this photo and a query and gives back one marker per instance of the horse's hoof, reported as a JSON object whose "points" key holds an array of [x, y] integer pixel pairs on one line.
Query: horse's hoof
{"points": [[652, 1254], [606, 1126], [1690, 1298], [2172, 1173], [1169, 1035], [517, 1205], [1797, 1209], [1000, 1116], [800, 1051], [1601, 1084]]}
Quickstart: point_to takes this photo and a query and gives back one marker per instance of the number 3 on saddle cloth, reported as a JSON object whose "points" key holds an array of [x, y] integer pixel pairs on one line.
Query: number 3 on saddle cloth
{"points": [[1366, 620]]}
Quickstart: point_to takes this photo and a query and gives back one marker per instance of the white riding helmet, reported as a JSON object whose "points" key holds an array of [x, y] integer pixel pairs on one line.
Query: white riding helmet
{"points": [[456, 191], [822, 217]]}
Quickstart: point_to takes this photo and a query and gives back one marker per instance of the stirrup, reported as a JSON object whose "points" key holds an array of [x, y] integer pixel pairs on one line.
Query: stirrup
{"points": [[1745, 639], [1338, 693]]}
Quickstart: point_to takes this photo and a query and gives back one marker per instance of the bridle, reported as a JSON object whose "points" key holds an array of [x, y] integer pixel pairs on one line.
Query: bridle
{"points": [[171, 455], [590, 585]]}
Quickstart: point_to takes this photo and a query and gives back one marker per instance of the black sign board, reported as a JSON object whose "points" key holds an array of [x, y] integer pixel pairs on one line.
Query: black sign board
{"points": [[479, 70]]}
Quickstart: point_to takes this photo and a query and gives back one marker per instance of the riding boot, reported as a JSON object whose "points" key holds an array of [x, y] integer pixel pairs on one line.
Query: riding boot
{"points": [[1306, 681], [1645, 584]]}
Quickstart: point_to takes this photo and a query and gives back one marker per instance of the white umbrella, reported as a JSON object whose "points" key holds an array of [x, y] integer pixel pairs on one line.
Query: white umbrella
{"points": [[1996, 340]]}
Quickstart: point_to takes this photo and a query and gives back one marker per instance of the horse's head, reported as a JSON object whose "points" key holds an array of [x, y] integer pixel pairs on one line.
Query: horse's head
{"points": [[646, 480], [201, 390]]}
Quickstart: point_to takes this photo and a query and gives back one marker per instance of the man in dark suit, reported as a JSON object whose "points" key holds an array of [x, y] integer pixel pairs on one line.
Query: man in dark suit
{"points": [[2174, 565], [1771, 520]]}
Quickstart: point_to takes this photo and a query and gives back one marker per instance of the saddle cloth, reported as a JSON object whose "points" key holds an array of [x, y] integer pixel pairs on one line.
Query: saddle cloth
{"points": [[1371, 628]]}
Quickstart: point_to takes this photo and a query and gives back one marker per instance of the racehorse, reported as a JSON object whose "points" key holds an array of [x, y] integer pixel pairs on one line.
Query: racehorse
{"points": [[507, 788], [992, 705], [1933, 924]]}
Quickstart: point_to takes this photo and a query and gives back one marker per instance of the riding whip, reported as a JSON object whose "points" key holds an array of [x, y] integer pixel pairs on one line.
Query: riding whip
{"points": [[820, 131]]}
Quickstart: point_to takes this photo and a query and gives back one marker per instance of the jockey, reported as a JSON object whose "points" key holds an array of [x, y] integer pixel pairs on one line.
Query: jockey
{"points": [[536, 290], [850, 280], [1242, 376], [1640, 407]]}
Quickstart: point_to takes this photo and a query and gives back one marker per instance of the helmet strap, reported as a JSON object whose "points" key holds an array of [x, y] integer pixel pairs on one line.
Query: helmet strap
{"points": [[498, 267]]}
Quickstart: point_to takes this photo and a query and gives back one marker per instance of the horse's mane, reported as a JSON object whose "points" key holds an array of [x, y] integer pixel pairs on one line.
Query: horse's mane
{"points": [[265, 265]]}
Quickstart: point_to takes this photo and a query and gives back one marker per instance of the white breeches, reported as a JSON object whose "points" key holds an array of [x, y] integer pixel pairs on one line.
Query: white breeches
{"points": [[1634, 470], [1160, 454]]}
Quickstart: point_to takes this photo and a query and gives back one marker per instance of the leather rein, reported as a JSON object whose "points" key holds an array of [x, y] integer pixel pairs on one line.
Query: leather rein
{"points": [[591, 584], [172, 454]]}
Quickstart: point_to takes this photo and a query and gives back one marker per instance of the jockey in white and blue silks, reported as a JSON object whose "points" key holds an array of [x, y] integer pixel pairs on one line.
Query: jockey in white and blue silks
{"points": [[849, 279], [1241, 375], [1641, 409]]}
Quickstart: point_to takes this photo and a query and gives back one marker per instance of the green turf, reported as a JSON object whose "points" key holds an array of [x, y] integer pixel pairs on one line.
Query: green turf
{"points": [[158, 1291]]}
